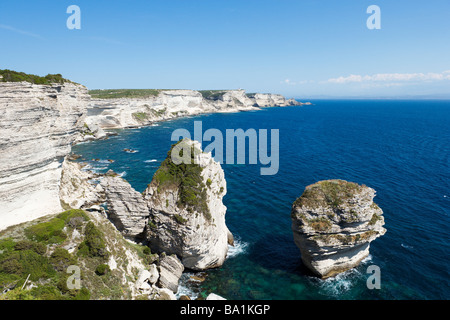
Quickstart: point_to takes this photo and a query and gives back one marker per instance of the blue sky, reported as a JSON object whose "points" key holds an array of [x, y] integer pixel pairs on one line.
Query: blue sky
{"points": [[301, 48]]}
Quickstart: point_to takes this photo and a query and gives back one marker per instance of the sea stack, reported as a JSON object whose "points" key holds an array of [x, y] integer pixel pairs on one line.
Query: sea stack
{"points": [[187, 215], [333, 223]]}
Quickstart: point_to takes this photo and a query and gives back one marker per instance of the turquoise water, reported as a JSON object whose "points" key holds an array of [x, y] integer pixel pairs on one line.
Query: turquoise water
{"points": [[399, 148]]}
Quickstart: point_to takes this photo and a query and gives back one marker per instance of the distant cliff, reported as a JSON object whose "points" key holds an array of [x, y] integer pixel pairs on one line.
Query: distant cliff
{"points": [[136, 110], [38, 124]]}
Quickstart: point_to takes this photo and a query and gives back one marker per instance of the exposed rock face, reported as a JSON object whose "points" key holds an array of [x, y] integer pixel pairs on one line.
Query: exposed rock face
{"points": [[38, 124], [75, 190], [270, 100], [127, 209], [333, 223], [170, 271], [187, 216], [233, 101]]}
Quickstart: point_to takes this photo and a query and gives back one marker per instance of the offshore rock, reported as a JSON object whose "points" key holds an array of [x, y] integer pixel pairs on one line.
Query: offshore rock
{"points": [[187, 215], [333, 223]]}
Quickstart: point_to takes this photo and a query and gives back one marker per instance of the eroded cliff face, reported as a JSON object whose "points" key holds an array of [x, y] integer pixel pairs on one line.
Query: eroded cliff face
{"points": [[38, 124], [169, 104], [270, 100], [333, 223]]}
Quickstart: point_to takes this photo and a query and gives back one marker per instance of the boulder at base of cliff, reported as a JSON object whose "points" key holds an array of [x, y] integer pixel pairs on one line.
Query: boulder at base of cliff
{"points": [[187, 216], [170, 271], [127, 209], [333, 223]]}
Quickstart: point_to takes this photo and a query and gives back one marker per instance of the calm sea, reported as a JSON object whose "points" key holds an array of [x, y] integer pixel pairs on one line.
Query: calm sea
{"points": [[399, 148]]}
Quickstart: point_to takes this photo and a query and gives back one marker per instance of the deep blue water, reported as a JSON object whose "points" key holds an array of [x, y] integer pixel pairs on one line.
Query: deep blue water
{"points": [[399, 148]]}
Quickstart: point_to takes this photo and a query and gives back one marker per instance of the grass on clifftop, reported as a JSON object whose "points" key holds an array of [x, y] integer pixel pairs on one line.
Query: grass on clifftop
{"points": [[212, 94], [187, 178], [14, 76], [123, 93], [328, 193]]}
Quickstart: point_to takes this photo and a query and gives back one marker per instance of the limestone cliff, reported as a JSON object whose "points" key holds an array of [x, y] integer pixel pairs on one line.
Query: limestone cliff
{"points": [[333, 223], [187, 215], [168, 104], [270, 100], [38, 124]]}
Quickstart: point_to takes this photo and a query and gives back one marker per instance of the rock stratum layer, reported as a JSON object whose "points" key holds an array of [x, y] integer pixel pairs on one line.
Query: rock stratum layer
{"points": [[333, 223], [38, 124]]}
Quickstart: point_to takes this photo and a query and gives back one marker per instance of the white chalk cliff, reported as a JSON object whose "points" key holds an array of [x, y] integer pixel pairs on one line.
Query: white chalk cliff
{"points": [[169, 104], [38, 124]]}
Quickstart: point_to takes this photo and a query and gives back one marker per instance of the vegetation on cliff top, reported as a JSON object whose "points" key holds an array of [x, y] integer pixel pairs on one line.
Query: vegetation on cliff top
{"points": [[186, 177], [38, 251], [212, 94], [328, 193], [14, 76], [123, 93]]}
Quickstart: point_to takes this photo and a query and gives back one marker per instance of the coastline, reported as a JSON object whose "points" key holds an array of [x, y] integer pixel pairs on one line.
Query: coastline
{"points": [[119, 113]]}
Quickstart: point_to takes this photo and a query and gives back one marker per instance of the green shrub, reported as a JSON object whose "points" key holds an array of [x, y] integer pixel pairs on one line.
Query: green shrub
{"points": [[212, 94], [180, 219], [61, 259], [7, 244], [68, 215], [49, 232], [147, 250], [186, 177], [123, 93], [93, 244], [46, 292], [140, 116], [152, 225], [37, 247], [83, 294], [23, 263], [102, 269], [14, 76]]}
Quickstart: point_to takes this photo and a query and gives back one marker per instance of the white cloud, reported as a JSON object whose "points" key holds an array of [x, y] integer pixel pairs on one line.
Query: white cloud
{"points": [[294, 83], [25, 33], [392, 77]]}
